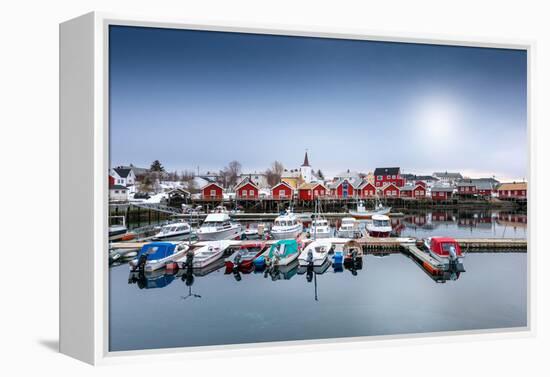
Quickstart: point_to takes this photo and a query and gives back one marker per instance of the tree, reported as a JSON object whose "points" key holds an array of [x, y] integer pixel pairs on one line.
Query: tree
{"points": [[231, 173], [157, 166], [274, 173], [320, 174]]}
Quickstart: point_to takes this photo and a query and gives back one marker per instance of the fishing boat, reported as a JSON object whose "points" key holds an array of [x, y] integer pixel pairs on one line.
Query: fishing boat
{"points": [[320, 228], [117, 227], [242, 259], [348, 228], [362, 213], [207, 254], [281, 253], [156, 255], [173, 231], [218, 226], [379, 226], [286, 226], [315, 254], [445, 250]]}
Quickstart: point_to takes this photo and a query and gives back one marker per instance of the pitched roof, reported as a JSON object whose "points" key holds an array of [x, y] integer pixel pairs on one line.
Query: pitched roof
{"points": [[122, 172], [309, 186], [513, 186], [387, 171], [465, 183], [118, 187], [442, 189], [364, 184], [210, 184], [411, 187], [306, 160], [283, 183], [244, 182], [354, 182], [448, 175]]}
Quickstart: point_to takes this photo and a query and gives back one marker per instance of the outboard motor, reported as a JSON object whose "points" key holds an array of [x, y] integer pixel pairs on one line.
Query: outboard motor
{"points": [[237, 261], [189, 259], [309, 259], [142, 261], [452, 256], [309, 273]]}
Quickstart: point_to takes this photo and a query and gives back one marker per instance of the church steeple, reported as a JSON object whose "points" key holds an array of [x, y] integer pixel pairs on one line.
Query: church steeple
{"points": [[306, 160]]}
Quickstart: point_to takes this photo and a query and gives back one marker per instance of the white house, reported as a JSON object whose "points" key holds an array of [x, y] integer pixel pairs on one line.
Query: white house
{"points": [[123, 176], [118, 193]]}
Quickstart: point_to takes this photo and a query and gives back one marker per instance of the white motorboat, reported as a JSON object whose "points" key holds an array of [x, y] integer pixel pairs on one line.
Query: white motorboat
{"points": [[349, 228], [362, 213], [208, 254], [286, 226], [379, 226], [174, 231], [218, 226], [320, 228], [315, 254], [156, 255]]}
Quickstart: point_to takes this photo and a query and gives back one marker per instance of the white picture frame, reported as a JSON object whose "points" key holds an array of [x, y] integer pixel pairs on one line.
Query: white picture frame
{"points": [[84, 161]]}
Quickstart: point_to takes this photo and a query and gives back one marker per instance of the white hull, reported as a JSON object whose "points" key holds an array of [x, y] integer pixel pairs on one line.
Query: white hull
{"points": [[286, 234], [153, 265], [173, 237], [287, 260], [209, 254], [319, 252], [347, 233], [219, 235]]}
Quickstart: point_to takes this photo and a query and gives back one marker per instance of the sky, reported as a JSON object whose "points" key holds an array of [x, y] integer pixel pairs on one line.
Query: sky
{"points": [[196, 100]]}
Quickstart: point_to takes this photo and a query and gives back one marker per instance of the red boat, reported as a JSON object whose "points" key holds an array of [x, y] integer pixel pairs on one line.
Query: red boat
{"points": [[242, 259], [445, 250]]}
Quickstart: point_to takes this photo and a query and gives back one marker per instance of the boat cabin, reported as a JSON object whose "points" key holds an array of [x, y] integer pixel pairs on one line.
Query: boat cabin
{"points": [[442, 245], [380, 220]]}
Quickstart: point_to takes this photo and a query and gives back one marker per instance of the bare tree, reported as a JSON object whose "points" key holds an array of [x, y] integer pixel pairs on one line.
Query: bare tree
{"points": [[232, 172], [274, 173]]}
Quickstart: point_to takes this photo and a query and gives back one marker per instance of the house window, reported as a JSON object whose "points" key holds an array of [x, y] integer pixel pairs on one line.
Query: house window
{"points": [[379, 178], [393, 177], [282, 194], [388, 176], [212, 192], [251, 192], [243, 193]]}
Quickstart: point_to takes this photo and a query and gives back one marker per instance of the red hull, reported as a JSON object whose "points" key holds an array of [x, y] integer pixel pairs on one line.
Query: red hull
{"points": [[379, 234]]}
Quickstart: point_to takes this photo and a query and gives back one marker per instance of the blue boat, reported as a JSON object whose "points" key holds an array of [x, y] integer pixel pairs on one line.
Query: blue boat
{"points": [[156, 255]]}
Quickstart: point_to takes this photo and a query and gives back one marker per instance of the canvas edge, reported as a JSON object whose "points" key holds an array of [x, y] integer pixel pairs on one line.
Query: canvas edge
{"points": [[101, 353]]}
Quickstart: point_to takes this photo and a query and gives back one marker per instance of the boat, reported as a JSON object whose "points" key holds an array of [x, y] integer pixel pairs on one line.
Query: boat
{"points": [[156, 255], [242, 259], [446, 251], [379, 226], [349, 228], [218, 226], [251, 233], [320, 228], [151, 280], [117, 227], [207, 254], [281, 253], [173, 231], [315, 254], [362, 213], [286, 226]]}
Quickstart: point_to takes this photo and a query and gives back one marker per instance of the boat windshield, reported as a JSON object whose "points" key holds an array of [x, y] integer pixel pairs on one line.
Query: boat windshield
{"points": [[381, 222]]}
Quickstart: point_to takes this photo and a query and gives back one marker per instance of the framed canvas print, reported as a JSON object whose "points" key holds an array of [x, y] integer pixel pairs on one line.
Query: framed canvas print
{"points": [[226, 187]]}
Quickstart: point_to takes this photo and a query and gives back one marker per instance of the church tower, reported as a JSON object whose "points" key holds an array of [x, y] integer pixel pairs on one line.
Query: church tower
{"points": [[305, 170]]}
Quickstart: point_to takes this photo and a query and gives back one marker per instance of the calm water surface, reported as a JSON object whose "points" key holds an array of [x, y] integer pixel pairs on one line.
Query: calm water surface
{"points": [[388, 295]]}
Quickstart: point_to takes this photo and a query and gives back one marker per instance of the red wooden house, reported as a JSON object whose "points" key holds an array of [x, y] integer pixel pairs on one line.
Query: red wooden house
{"points": [[343, 188], [421, 183], [247, 190], [212, 191], [442, 193], [512, 191], [366, 190], [466, 188], [413, 191], [282, 191], [111, 180], [383, 176], [390, 191], [311, 191]]}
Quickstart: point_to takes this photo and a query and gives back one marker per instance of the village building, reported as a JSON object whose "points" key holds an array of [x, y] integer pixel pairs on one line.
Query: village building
{"points": [[344, 188], [282, 191], [390, 190], [466, 188], [484, 188], [384, 176], [247, 190], [212, 191], [312, 191], [177, 196], [366, 189], [118, 193], [442, 192], [415, 191], [259, 179], [514, 190], [427, 180], [449, 178], [296, 177], [123, 176]]}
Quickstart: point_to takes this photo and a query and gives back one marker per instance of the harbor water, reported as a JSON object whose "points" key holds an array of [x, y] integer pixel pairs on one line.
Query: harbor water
{"points": [[388, 295]]}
